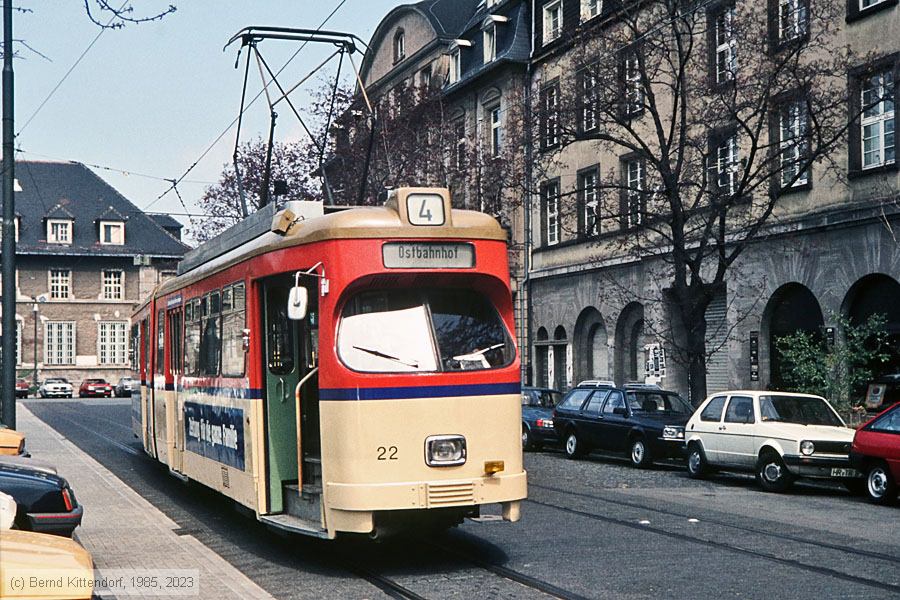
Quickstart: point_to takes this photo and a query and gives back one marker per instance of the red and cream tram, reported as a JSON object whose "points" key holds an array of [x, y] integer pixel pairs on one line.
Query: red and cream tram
{"points": [[345, 372]]}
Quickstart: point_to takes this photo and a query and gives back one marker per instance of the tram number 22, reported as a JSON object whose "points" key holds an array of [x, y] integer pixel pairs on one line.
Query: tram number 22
{"points": [[387, 453]]}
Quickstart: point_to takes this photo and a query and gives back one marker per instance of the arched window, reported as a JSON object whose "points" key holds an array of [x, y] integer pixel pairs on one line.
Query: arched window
{"points": [[399, 46]]}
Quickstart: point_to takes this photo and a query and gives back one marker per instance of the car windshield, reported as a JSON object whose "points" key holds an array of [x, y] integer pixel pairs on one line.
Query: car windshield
{"points": [[805, 410], [658, 402], [541, 398], [422, 330], [94, 381], [56, 381]]}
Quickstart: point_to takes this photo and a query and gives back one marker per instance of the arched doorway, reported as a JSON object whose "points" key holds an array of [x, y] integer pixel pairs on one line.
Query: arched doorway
{"points": [[542, 363], [792, 308], [559, 359], [630, 341], [877, 294], [590, 350]]}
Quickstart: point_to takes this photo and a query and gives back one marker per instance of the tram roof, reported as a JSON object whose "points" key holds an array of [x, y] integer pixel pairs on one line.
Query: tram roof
{"points": [[366, 222]]}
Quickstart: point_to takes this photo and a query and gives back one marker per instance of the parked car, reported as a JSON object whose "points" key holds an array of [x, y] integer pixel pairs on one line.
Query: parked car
{"points": [[12, 442], [537, 416], [22, 388], [36, 557], [780, 436], [8, 510], [642, 421], [876, 452], [55, 387], [125, 386], [95, 388], [883, 392], [25, 460], [46, 502]]}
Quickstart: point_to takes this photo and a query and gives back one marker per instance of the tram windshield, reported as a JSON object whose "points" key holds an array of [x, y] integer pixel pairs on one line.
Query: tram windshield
{"points": [[395, 331]]}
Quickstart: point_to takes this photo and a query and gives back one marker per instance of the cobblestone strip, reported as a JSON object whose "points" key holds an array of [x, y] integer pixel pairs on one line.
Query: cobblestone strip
{"points": [[121, 529]]}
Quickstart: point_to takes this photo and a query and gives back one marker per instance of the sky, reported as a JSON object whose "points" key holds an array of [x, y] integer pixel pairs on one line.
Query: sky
{"points": [[150, 98]]}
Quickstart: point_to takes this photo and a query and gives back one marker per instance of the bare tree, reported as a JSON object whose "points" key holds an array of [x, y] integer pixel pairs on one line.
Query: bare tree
{"points": [[718, 111], [117, 15]]}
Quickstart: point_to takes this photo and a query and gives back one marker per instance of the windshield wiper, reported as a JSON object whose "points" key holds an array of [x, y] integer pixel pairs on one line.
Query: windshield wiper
{"points": [[414, 365]]}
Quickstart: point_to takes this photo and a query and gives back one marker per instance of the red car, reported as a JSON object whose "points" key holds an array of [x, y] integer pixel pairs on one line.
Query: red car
{"points": [[876, 452], [22, 388], [95, 387]]}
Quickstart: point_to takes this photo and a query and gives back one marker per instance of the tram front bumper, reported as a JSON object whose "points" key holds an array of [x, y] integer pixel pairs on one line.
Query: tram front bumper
{"points": [[504, 488]]}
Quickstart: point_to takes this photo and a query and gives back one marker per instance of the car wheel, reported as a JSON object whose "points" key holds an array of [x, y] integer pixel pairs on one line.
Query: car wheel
{"points": [[640, 453], [880, 484], [697, 466], [772, 474], [527, 442], [574, 447]]}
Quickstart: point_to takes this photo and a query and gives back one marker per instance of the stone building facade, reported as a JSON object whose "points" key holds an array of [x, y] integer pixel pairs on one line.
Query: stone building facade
{"points": [[85, 258]]}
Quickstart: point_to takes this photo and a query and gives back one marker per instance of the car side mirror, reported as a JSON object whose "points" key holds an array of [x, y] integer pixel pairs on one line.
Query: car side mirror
{"points": [[620, 410], [298, 302]]}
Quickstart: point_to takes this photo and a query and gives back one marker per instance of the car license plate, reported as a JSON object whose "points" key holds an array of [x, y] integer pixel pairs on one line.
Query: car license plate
{"points": [[845, 473]]}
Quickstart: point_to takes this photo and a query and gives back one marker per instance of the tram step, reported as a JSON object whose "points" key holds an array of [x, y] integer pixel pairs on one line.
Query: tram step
{"points": [[306, 505], [294, 524]]}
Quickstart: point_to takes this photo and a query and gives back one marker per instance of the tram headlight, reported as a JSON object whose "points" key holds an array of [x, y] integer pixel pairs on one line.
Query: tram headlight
{"points": [[445, 450]]}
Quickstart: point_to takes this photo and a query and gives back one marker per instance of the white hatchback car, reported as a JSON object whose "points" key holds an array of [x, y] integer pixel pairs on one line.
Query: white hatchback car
{"points": [[780, 436]]}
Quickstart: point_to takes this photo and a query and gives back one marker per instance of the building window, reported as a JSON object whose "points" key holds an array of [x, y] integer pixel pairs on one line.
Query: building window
{"points": [[589, 98], [858, 9], [550, 116], [112, 233], [113, 285], [551, 213], [590, 8], [877, 123], [15, 229], [425, 78], [793, 123], [634, 87], [496, 130], [60, 284], [635, 184], [399, 46], [553, 18], [793, 20], [724, 45], [459, 128], [455, 65], [490, 43], [59, 342], [589, 200], [112, 342], [727, 164], [59, 231]]}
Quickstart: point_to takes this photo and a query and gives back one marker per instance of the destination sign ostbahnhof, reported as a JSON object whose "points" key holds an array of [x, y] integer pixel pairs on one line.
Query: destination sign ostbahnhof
{"points": [[428, 255]]}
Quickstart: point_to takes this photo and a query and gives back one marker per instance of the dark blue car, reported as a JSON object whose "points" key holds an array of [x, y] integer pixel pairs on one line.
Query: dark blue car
{"points": [[45, 502], [641, 421], [537, 417]]}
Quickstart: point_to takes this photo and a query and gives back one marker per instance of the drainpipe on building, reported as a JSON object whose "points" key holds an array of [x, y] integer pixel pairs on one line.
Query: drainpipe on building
{"points": [[527, 370]]}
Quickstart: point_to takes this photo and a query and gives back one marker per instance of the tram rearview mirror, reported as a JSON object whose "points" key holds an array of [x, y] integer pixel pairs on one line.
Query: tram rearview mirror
{"points": [[298, 300]]}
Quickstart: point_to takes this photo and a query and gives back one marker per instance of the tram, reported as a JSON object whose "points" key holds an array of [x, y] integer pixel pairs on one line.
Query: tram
{"points": [[350, 372]]}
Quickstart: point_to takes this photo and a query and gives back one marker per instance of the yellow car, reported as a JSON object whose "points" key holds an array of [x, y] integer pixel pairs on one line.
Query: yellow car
{"points": [[40, 566], [11, 441]]}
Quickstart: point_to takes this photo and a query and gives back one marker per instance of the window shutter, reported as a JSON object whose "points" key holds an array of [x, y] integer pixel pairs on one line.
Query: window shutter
{"points": [[543, 236], [623, 196], [775, 149], [774, 39], [854, 136], [580, 206]]}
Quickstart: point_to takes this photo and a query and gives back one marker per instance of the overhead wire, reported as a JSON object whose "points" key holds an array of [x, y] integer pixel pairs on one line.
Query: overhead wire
{"points": [[252, 101]]}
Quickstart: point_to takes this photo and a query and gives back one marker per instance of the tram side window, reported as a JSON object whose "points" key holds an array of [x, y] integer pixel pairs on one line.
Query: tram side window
{"points": [[145, 349], [175, 338], [210, 341], [233, 314], [134, 349], [160, 341], [192, 338]]}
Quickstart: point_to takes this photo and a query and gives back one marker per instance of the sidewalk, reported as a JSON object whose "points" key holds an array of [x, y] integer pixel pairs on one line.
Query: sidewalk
{"points": [[122, 530]]}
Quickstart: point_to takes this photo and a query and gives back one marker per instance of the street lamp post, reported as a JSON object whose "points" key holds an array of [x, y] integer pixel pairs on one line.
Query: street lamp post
{"points": [[34, 310]]}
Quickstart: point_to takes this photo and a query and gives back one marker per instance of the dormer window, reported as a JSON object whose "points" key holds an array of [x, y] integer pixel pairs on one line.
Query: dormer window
{"points": [[455, 56], [15, 228], [590, 9], [490, 43], [399, 46], [59, 231], [112, 233], [553, 17]]}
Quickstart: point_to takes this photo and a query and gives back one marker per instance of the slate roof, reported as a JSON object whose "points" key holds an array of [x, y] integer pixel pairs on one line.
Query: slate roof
{"points": [[72, 191], [513, 42], [448, 17]]}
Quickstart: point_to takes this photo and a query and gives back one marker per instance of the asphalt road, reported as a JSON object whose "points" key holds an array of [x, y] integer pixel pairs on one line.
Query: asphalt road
{"points": [[592, 528]]}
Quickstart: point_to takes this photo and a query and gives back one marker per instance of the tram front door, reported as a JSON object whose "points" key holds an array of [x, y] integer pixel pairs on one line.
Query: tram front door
{"points": [[291, 355]]}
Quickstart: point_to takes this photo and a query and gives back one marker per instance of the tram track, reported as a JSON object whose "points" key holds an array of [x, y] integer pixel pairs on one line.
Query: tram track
{"points": [[684, 537], [782, 536]]}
